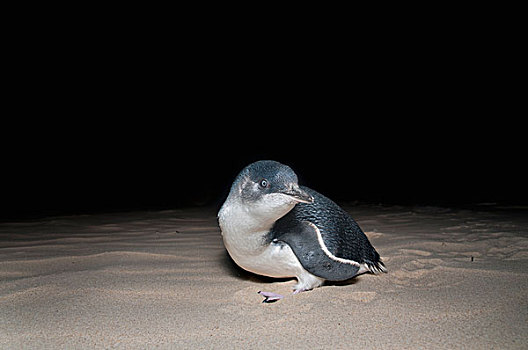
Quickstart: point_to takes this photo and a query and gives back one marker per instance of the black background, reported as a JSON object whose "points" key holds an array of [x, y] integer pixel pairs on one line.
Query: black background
{"points": [[179, 164], [133, 121]]}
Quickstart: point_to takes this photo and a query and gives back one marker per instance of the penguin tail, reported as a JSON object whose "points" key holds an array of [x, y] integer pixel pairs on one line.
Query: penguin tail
{"points": [[376, 265]]}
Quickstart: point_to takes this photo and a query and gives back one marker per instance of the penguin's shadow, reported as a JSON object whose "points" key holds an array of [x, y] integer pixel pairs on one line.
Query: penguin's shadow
{"points": [[347, 282], [236, 271]]}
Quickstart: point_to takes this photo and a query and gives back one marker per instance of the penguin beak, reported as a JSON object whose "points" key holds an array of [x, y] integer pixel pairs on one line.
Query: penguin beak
{"points": [[298, 194]]}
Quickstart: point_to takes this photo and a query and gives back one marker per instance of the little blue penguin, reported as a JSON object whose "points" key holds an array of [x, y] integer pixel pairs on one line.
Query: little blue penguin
{"points": [[271, 226]]}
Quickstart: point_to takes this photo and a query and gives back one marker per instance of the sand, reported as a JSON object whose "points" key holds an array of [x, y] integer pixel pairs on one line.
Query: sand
{"points": [[457, 279]]}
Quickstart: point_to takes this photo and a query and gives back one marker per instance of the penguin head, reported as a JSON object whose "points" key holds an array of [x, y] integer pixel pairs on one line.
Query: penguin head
{"points": [[269, 189]]}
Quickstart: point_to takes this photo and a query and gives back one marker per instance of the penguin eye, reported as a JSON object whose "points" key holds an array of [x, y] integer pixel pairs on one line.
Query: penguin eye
{"points": [[264, 183]]}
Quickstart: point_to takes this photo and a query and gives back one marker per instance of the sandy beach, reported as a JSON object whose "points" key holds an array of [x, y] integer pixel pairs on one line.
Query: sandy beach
{"points": [[457, 279]]}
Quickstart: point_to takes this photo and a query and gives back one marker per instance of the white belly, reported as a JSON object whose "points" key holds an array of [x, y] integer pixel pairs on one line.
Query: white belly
{"points": [[275, 260], [244, 238]]}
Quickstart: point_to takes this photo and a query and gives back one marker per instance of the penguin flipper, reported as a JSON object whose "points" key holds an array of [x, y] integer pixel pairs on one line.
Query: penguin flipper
{"points": [[307, 244]]}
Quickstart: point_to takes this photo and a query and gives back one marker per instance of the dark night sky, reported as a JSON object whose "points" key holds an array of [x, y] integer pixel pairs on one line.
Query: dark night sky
{"points": [[139, 165], [399, 121]]}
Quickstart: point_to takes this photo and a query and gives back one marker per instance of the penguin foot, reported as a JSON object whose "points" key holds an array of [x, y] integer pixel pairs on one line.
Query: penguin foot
{"points": [[270, 297], [297, 291], [307, 281]]}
